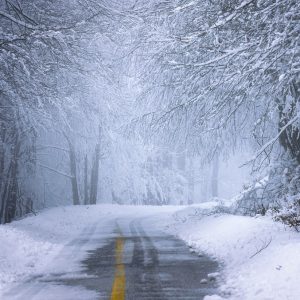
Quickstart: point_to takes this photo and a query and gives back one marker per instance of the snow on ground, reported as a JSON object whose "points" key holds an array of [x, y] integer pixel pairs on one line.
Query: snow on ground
{"points": [[260, 258], [248, 271], [30, 245]]}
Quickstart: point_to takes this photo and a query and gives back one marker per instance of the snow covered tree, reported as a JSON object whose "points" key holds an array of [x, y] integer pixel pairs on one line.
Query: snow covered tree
{"points": [[46, 52], [223, 74]]}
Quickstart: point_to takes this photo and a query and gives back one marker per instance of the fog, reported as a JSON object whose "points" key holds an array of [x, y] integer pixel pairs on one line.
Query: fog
{"points": [[149, 149], [126, 102]]}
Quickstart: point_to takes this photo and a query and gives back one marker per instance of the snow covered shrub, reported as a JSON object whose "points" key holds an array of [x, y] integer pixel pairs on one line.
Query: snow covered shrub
{"points": [[251, 200], [277, 194], [222, 206], [289, 215], [288, 204]]}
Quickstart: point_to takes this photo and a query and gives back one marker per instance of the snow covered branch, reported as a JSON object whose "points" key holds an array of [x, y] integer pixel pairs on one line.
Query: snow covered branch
{"points": [[56, 171], [273, 140], [19, 22]]}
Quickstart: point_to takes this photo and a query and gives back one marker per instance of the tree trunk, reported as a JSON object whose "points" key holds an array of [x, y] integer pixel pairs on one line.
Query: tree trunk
{"points": [[215, 177], [12, 196], [86, 196], [191, 184], [2, 169], [95, 172], [73, 170], [95, 175], [4, 197], [2, 153], [290, 138]]}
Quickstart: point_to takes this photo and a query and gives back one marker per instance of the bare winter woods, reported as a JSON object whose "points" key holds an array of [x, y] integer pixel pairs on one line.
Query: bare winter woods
{"points": [[143, 102]]}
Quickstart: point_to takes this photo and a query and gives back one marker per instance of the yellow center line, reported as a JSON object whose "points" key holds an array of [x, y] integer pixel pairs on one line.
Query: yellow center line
{"points": [[119, 285]]}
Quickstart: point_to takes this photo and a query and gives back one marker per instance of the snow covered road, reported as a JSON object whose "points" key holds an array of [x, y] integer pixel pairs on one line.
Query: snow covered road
{"points": [[127, 252], [119, 256]]}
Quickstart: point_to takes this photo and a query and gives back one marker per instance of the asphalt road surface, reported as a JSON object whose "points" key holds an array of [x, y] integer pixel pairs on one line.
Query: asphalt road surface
{"points": [[125, 259]]}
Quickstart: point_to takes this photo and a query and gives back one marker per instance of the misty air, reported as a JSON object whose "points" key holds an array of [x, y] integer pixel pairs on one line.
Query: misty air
{"points": [[149, 149]]}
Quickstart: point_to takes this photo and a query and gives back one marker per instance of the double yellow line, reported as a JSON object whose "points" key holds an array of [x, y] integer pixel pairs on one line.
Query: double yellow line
{"points": [[119, 285]]}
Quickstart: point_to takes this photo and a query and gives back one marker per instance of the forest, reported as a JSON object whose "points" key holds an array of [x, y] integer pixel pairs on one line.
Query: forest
{"points": [[141, 102], [138, 102], [149, 149]]}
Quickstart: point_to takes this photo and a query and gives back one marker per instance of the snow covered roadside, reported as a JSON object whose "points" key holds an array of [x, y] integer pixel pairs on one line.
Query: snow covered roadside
{"points": [[261, 258], [248, 272], [30, 246]]}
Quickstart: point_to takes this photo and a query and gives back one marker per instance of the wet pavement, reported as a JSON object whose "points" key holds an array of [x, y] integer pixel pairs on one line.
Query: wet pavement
{"points": [[157, 266]]}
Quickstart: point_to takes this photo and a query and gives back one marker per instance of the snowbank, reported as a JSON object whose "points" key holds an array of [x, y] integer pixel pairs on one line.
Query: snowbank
{"points": [[261, 258], [28, 245]]}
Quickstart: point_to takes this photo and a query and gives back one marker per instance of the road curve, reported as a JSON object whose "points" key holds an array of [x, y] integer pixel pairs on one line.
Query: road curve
{"points": [[131, 260]]}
